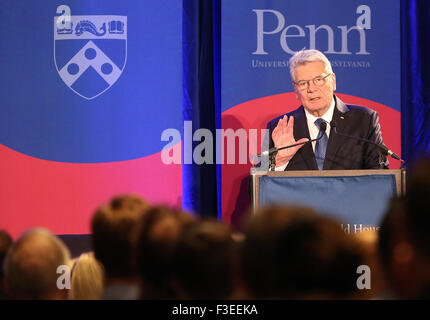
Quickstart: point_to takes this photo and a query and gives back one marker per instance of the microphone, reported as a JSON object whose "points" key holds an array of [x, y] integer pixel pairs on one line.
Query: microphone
{"points": [[323, 128], [379, 145]]}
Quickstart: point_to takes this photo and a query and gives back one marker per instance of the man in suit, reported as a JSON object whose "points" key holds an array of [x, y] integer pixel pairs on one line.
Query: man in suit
{"points": [[314, 83]]}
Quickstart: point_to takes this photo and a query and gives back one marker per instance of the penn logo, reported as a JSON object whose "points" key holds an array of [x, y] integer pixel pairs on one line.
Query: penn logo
{"points": [[90, 52]]}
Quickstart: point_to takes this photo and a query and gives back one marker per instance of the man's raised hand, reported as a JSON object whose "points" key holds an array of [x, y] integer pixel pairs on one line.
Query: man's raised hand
{"points": [[283, 135]]}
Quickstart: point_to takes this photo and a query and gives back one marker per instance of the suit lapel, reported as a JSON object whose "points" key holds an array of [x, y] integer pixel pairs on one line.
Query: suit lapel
{"points": [[335, 141], [301, 130]]}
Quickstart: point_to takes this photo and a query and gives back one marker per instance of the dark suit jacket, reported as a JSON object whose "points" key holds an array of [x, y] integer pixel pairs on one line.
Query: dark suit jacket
{"points": [[342, 152]]}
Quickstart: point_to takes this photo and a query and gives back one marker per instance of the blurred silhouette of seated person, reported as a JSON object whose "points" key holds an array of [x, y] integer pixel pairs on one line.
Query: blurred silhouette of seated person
{"points": [[404, 239], [369, 242], [30, 267], [87, 278], [292, 253], [204, 262], [112, 228], [6, 242], [156, 236]]}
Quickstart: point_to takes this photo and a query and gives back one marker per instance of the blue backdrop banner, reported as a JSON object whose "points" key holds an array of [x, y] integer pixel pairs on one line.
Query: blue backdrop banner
{"points": [[89, 81], [361, 39], [355, 200], [86, 89]]}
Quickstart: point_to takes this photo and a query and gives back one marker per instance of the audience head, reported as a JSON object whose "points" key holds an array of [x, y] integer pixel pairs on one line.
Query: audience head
{"points": [[394, 250], [286, 252], [87, 278], [156, 237], [204, 261], [5, 243], [112, 227], [30, 267], [416, 201], [404, 241], [291, 252], [257, 252], [369, 243]]}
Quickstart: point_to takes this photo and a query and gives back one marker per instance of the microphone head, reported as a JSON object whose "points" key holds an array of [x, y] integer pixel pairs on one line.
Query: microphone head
{"points": [[333, 124]]}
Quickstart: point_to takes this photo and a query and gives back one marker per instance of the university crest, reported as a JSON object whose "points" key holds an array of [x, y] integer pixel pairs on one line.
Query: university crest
{"points": [[90, 52]]}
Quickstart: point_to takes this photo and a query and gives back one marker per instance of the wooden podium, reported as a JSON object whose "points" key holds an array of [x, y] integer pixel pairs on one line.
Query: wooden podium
{"points": [[358, 198]]}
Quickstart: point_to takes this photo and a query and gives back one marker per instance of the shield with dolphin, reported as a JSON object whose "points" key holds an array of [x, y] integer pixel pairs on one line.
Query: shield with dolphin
{"points": [[90, 52]]}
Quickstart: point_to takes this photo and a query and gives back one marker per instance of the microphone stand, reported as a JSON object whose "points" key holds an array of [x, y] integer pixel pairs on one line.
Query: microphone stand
{"points": [[383, 150]]}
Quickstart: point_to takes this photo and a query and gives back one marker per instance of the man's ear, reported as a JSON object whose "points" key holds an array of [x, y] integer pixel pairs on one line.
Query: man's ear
{"points": [[295, 92], [334, 82]]}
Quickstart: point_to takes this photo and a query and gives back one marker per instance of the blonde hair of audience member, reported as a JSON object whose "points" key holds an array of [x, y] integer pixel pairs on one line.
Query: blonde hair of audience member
{"points": [[30, 267], [87, 278]]}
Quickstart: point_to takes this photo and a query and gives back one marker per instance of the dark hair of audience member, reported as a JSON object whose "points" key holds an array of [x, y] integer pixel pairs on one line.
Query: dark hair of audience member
{"points": [[257, 262], [404, 241], [388, 240], [292, 253], [378, 282], [418, 222], [417, 204], [156, 237], [315, 258], [5, 243], [112, 227], [204, 261]]}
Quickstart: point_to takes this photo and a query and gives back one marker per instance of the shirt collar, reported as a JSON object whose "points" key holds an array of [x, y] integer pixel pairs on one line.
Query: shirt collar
{"points": [[328, 116]]}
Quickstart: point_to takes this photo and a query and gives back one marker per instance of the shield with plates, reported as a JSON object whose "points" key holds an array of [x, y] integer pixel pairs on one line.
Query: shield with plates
{"points": [[90, 52]]}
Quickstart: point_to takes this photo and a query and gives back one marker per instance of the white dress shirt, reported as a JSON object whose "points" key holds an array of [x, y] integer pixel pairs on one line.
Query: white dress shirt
{"points": [[313, 129]]}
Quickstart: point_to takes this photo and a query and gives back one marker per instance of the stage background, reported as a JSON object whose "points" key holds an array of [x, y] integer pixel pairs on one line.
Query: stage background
{"points": [[259, 37], [66, 150], [62, 155]]}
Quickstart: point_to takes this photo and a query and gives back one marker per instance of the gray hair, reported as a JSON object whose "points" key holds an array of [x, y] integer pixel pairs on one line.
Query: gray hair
{"points": [[301, 57], [30, 267]]}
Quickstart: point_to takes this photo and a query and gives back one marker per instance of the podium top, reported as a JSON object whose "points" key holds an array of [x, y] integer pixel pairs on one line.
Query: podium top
{"points": [[399, 176], [327, 173]]}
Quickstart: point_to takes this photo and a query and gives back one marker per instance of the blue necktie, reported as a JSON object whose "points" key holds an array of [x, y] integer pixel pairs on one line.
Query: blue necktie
{"points": [[321, 146]]}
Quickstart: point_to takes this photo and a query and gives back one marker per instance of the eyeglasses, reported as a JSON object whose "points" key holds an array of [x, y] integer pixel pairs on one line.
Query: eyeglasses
{"points": [[318, 81]]}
